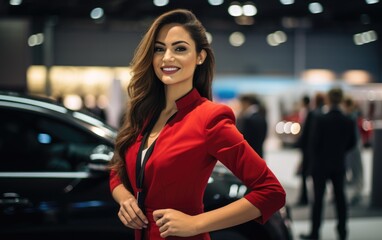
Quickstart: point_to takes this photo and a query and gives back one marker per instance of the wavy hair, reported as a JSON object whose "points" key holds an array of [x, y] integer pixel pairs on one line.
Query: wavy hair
{"points": [[146, 91]]}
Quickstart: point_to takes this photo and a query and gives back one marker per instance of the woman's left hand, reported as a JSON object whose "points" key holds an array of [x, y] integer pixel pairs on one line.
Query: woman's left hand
{"points": [[174, 223]]}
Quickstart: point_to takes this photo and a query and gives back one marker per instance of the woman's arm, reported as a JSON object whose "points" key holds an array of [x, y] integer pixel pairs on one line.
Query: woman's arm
{"points": [[129, 213], [174, 223], [227, 144], [233, 214]]}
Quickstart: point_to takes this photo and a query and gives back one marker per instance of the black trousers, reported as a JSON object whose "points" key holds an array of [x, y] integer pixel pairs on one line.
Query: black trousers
{"points": [[337, 178], [305, 171]]}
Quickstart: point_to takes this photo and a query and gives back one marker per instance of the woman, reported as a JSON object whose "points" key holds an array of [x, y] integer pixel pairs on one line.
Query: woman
{"points": [[173, 136]]}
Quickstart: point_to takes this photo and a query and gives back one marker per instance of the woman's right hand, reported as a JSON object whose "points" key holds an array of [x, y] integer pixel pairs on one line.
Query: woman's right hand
{"points": [[131, 215]]}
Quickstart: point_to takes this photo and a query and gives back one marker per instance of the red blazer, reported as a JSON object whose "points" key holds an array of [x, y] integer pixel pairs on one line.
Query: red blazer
{"points": [[184, 156]]}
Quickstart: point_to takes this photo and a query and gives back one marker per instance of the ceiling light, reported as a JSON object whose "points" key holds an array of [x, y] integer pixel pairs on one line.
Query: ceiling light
{"points": [[215, 2], [15, 2], [237, 39], [372, 1], [249, 9], [235, 9], [280, 36], [365, 37], [315, 7], [96, 13], [160, 3], [271, 41], [286, 2], [36, 39], [276, 38]]}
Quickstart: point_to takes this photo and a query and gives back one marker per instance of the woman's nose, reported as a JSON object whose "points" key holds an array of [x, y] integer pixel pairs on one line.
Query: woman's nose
{"points": [[168, 57]]}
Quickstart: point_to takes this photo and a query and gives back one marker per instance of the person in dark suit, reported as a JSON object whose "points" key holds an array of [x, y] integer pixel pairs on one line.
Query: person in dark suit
{"points": [[174, 134], [252, 122], [333, 137], [304, 143]]}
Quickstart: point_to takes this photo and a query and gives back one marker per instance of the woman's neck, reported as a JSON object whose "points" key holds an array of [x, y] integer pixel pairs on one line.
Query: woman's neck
{"points": [[172, 94]]}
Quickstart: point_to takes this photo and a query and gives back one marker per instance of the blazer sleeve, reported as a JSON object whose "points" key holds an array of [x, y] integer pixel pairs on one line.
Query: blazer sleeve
{"points": [[227, 145], [114, 180]]}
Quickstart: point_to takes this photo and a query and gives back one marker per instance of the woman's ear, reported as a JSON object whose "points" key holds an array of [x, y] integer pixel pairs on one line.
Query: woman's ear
{"points": [[202, 57]]}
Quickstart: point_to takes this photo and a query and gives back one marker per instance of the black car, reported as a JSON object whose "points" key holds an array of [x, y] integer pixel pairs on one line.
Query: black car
{"points": [[54, 178]]}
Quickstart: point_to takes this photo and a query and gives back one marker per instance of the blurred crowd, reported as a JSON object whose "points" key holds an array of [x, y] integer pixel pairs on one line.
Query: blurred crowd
{"points": [[331, 141], [313, 107]]}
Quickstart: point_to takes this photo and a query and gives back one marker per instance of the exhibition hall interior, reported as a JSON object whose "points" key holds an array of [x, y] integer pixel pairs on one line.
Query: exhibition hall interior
{"points": [[76, 54]]}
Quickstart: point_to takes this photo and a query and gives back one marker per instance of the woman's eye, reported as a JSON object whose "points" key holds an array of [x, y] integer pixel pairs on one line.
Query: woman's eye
{"points": [[158, 49], [181, 49]]}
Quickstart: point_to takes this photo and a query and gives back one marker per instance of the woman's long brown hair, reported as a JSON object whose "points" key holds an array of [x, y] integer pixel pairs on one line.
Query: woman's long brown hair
{"points": [[146, 91]]}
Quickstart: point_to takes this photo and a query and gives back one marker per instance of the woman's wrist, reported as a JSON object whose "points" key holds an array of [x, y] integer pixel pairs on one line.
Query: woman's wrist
{"points": [[121, 194], [199, 224]]}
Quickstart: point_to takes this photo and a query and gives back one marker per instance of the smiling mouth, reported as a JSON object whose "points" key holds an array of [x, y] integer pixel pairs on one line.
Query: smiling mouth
{"points": [[169, 70]]}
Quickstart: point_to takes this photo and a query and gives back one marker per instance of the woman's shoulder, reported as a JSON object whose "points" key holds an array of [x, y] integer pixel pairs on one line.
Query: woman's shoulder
{"points": [[215, 106], [213, 109]]}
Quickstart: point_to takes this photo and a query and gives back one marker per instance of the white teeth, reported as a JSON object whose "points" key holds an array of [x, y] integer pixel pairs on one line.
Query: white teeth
{"points": [[170, 69]]}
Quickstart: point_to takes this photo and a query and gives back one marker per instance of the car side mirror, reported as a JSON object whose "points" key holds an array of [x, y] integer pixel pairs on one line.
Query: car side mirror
{"points": [[100, 158]]}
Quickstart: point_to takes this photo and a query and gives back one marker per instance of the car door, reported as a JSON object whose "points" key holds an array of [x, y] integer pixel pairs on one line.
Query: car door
{"points": [[44, 173]]}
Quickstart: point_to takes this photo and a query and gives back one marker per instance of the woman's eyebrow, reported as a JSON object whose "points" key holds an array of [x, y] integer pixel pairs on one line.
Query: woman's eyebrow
{"points": [[174, 43]]}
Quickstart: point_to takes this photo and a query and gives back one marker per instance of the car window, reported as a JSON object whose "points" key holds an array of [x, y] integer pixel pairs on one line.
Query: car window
{"points": [[31, 142]]}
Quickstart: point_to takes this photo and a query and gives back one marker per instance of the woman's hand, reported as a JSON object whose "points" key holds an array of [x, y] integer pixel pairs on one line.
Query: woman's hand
{"points": [[131, 215], [174, 223]]}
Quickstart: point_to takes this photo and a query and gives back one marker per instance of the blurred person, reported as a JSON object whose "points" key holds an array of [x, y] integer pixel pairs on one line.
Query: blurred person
{"points": [[304, 143], [252, 122], [301, 144], [172, 137], [304, 109], [333, 136], [354, 157]]}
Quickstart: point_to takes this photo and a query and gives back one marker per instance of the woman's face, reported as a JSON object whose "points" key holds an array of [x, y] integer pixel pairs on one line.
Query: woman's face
{"points": [[175, 56]]}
